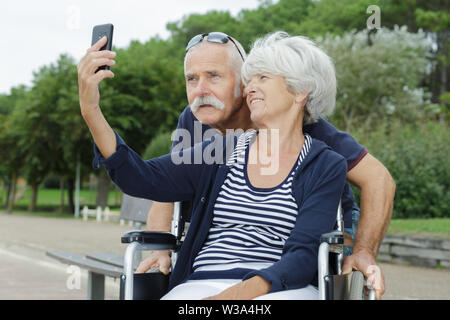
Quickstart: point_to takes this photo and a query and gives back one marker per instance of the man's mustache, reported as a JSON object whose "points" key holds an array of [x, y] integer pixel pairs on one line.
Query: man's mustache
{"points": [[207, 100]]}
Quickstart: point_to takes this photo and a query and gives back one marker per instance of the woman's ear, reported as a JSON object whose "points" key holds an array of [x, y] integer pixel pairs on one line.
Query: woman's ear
{"points": [[301, 98]]}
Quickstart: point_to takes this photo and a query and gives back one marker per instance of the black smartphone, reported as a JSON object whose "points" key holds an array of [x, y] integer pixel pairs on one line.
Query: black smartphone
{"points": [[99, 32]]}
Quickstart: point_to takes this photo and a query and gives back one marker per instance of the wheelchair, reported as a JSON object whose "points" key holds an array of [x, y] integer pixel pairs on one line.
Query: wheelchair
{"points": [[332, 284]]}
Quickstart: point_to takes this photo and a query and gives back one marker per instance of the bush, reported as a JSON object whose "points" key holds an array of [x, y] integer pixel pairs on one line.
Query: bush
{"points": [[417, 158], [160, 145], [52, 181]]}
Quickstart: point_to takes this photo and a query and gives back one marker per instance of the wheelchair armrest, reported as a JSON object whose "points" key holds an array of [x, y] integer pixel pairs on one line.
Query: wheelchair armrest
{"points": [[334, 237], [149, 237], [139, 240]]}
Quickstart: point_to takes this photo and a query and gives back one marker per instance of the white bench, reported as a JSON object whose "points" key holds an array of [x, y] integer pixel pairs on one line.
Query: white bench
{"points": [[99, 214]]}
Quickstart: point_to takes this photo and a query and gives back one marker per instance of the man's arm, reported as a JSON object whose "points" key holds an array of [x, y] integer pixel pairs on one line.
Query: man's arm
{"points": [[377, 196], [159, 218]]}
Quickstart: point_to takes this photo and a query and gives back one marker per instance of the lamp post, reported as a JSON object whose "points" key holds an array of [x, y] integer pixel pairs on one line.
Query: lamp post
{"points": [[77, 188]]}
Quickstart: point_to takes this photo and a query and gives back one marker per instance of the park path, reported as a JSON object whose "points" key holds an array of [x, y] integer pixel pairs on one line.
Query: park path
{"points": [[27, 273]]}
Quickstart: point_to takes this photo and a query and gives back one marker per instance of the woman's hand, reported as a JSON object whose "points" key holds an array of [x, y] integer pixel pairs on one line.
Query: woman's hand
{"points": [[245, 290], [89, 96], [88, 79]]}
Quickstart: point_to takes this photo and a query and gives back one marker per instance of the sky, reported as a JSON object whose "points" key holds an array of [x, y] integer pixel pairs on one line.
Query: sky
{"points": [[35, 33]]}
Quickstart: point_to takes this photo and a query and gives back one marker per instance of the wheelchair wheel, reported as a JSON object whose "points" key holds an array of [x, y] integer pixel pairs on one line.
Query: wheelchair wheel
{"points": [[357, 286]]}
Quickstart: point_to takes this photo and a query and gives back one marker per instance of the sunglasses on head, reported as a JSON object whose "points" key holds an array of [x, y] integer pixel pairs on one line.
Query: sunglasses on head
{"points": [[216, 37]]}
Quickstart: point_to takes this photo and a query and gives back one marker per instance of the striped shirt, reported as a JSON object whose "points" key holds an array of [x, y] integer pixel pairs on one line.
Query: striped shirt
{"points": [[250, 225]]}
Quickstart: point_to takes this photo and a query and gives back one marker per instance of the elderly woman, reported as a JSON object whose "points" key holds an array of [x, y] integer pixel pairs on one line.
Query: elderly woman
{"points": [[258, 212]]}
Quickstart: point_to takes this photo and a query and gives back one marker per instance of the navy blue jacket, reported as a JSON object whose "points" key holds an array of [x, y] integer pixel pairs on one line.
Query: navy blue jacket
{"points": [[317, 188]]}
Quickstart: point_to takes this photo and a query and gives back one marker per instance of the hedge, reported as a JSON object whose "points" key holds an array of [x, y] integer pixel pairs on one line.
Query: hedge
{"points": [[417, 156]]}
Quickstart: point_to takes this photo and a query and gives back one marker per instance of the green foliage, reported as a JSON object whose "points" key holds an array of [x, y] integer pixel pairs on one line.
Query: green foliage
{"points": [[335, 17], [159, 146], [182, 31], [433, 20], [416, 155], [12, 152], [384, 82], [54, 132], [284, 15], [147, 93], [247, 26]]}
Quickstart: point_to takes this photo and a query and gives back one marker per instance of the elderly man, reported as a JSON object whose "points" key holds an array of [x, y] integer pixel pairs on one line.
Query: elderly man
{"points": [[214, 92]]}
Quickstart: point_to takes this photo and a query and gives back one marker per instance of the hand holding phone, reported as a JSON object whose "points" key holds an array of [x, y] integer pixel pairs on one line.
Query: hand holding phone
{"points": [[99, 32], [90, 74], [94, 67]]}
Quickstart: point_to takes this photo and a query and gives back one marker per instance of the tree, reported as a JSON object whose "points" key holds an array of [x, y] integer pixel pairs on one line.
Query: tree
{"points": [[183, 30], [11, 151], [147, 93], [334, 17], [433, 17], [285, 15], [438, 22], [51, 129], [247, 26], [74, 141], [384, 83]]}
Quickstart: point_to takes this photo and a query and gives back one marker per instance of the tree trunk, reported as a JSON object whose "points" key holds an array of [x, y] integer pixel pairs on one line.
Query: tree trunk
{"points": [[11, 193], [1, 192], [70, 188], [61, 190], [442, 38], [8, 189], [103, 184], [34, 196]]}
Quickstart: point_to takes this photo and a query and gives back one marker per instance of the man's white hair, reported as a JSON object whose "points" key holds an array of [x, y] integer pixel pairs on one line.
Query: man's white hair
{"points": [[234, 59], [306, 68]]}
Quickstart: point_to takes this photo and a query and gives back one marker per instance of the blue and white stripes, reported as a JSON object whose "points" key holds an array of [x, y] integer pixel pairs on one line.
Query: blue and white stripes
{"points": [[250, 225]]}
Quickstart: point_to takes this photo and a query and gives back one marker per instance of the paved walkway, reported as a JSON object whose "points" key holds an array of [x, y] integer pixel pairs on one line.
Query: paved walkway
{"points": [[27, 273], [25, 270]]}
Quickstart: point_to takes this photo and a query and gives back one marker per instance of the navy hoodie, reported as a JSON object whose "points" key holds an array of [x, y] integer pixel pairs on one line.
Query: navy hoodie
{"points": [[317, 187]]}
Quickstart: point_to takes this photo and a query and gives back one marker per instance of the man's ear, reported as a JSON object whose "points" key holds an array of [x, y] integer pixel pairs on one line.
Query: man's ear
{"points": [[244, 94]]}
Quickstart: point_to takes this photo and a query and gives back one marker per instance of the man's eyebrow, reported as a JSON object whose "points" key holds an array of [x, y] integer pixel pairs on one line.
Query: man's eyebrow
{"points": [[209, 72]]}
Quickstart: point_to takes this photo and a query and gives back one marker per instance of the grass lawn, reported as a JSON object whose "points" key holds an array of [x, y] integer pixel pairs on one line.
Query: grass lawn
{"points": [[52, 197], [435, 227]]}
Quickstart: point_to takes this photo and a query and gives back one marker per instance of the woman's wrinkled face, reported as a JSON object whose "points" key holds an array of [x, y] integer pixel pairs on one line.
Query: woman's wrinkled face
{"points": [[268, 99]]}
